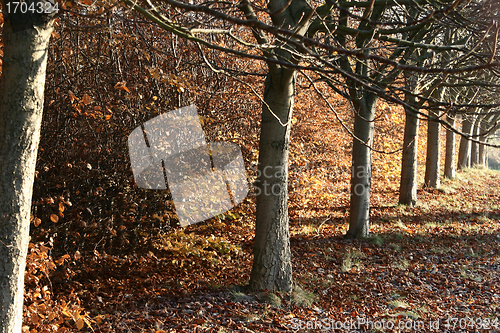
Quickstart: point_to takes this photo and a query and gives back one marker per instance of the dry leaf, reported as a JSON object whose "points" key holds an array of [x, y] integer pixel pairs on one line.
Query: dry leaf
{"points": [[86, 99], [121, 86], [34, 319], [79, 323], [60, 261]]}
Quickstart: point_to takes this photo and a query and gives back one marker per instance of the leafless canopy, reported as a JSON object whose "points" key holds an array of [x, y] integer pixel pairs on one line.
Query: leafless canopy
{"points": [[362, 45]]}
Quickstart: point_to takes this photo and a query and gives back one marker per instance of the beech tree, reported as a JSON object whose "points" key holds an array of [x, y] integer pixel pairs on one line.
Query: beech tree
{"points": [[25, 36], [450, 154], [360, 50], [408, 182], [433, 158]]}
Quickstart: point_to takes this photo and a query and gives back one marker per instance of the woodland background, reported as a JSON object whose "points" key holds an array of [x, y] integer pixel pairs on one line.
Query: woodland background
{"points": [[107, 256]]}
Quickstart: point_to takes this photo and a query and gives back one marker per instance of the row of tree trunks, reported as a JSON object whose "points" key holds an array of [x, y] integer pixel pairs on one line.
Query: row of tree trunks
{"points": [[478, 127], [470, 153]]}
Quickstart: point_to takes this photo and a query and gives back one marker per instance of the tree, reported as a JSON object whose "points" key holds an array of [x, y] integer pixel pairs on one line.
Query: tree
{"points": [[432, 162], [408, 183], [474, 149], [450, 155], [465, 144], [26, 37], [272, 258]]}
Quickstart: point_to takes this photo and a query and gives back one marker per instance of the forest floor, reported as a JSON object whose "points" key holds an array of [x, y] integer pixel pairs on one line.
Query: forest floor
{"points": [[431, 268]]}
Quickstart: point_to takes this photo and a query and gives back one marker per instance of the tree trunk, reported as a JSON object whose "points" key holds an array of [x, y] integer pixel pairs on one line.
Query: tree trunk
{"points": [[474, 149], [359, 221], [464, 149], [449, 161], [408, 184], [21, 107], [272, 266], [433, 152], [483, 152]]}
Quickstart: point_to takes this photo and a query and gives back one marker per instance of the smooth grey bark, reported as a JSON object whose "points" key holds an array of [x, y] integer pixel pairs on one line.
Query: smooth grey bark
{"points": [[359, 220], [432, 167], [449, 160], [483, 152], [21, 107], [474, 146], [272, 265], [464, 148], [408, 184], [364, 103]]}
